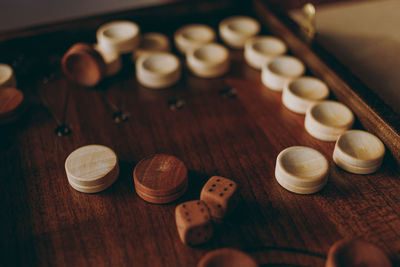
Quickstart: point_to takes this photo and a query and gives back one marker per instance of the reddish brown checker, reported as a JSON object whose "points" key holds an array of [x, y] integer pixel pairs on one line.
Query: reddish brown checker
{"points": [[160, 175], [11, 100], [83, 64], [162, 200], [227, 257], [356, 253]]}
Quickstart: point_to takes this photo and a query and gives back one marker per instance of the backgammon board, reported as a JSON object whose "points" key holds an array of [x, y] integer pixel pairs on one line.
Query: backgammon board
{"points": [[230, 126]]}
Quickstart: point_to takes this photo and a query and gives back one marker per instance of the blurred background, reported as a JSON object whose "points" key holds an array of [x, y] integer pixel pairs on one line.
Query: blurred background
{"points": [[15, 14], [362, 34]]}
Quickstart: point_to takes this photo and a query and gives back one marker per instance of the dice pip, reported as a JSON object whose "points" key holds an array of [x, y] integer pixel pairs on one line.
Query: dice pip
{"points": [[220, 195], [194, 222]]}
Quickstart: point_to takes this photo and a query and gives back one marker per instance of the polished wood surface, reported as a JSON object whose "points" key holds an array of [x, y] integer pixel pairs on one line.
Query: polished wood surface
{"points": [[212, 128]]}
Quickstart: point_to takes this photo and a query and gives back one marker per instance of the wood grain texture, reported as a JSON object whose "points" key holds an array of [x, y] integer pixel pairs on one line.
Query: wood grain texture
{"points": [[46, 222]]}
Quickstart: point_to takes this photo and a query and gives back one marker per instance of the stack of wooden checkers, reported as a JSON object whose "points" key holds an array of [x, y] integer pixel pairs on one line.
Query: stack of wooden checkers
{"points": [[92, 168], [301, 170], [11, 104], [160, 178]]}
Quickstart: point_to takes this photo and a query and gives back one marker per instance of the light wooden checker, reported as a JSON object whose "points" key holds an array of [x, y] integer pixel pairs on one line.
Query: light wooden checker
{"points": [[359, 152], [327, 120], [301, 170], [261, 50], [152, 42], [92, 167], [301, 93], [280, 71], [121, 36], [235, 31], [209, 61], [111, 58], [192, 36], [97, 188]]}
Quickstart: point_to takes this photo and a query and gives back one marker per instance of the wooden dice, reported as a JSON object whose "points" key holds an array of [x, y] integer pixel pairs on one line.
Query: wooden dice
{"points": [[158, 70], [208, 61], [220, 195], [193, 221], [194, 218], [192, 36]]}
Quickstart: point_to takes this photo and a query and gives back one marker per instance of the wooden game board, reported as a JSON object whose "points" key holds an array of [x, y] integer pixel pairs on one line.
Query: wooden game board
{"points": [[231, 126]]}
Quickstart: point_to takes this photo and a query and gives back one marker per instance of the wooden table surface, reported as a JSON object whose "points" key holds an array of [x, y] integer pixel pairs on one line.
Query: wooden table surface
{"points": [[46, 222]]}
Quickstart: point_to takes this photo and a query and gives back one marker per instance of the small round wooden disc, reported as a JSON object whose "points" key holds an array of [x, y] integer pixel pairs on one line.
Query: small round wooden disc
{"points": [[160, 175], [91, 165], [356, 253], [301, 167], [10, 100], [83, 64], [332, 114], [228, 257], [361, 146]]}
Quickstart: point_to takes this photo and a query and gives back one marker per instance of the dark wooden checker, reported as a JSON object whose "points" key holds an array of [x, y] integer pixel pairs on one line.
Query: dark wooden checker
{"points": [[212, 128], [10, 100], [160, 175]]}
